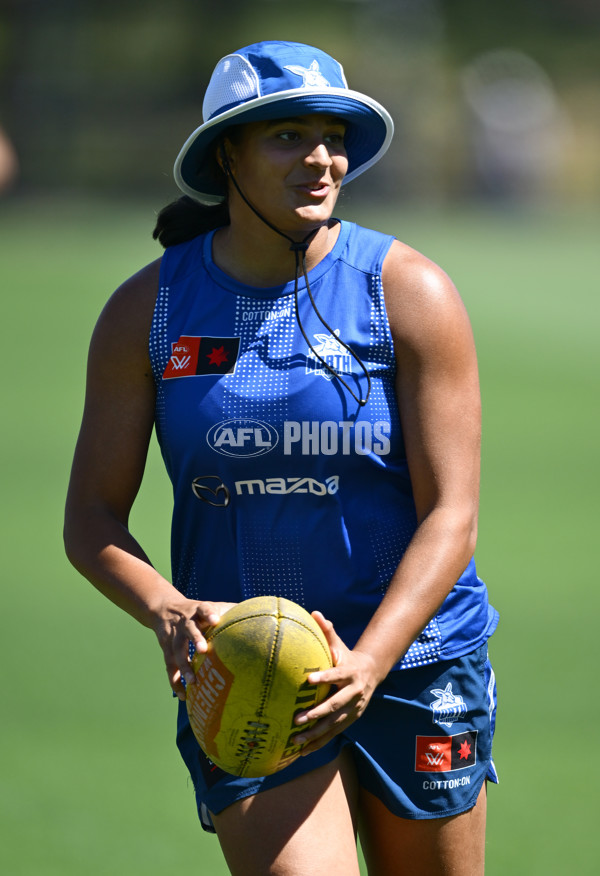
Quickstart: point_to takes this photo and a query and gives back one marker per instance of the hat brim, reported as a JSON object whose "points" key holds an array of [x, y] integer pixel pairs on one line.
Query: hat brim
{"points": [[368, 136]]}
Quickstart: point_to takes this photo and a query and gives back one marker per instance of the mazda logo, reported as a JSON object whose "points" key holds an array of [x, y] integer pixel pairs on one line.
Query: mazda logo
{"points": [[212, 490]]}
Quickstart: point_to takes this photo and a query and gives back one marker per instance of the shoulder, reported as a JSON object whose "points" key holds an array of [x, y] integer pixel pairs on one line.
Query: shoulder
{"points": [[364, 248], [422, 302], [135, 297], [123, 328]]}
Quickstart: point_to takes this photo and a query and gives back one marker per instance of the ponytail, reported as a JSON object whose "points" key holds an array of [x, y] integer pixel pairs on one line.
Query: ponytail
{"points": [[186, 218]]}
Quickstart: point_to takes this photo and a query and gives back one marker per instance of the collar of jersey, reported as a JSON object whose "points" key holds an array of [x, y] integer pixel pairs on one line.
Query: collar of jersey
{"points": [[227, 282]]}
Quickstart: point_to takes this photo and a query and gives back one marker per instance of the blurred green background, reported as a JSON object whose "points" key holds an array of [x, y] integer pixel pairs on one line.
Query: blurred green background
{"points": [[495, 174]]}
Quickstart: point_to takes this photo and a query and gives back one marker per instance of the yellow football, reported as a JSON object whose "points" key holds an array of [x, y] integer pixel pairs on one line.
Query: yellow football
{"points": [[252, 681]]}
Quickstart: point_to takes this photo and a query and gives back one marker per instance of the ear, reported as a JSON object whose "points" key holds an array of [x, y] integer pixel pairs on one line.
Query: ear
{"points": [[224, 157]]}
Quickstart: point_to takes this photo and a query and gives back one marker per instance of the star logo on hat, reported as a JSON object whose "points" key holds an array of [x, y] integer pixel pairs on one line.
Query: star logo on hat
{"points": [[311, 76]]}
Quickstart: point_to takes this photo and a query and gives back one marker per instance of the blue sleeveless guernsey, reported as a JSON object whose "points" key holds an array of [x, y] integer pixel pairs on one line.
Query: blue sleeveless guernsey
{"points": [[282, 484]]}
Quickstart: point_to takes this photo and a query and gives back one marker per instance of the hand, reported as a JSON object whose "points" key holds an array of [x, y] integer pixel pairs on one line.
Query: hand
{"points": [[355, 677], [179, 622]]}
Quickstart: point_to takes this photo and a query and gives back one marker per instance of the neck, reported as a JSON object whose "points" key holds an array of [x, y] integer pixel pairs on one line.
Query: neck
{"points": [[254, 254]]}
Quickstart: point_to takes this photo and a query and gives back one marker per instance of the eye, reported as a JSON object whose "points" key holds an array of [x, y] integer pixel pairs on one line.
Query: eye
{"points": [[288, 136], [336, 138]]}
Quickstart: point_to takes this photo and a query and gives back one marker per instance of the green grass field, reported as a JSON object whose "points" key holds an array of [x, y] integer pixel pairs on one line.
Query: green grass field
{"points": [[91, 782]]}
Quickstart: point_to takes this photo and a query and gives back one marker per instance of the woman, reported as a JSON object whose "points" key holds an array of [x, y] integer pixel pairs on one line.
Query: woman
{"points": [[315, 394]]}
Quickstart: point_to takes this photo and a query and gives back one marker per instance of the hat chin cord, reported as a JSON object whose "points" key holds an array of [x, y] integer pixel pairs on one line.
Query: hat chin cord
{"points": [[299, 249]]}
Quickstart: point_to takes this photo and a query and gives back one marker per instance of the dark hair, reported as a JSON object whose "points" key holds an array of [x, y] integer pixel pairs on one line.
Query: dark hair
{"points": [[185, 218]]}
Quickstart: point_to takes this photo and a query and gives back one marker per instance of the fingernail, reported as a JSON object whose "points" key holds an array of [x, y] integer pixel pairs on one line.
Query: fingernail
{"points": [[190, 678]]}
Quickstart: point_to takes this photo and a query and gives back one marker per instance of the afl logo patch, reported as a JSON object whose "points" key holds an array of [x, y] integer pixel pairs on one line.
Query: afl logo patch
{"points": [[193, 356], [242, 437]]}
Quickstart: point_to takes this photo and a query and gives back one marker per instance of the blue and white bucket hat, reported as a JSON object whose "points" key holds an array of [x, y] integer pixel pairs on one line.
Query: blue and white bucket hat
{"points": [[271, 80]]}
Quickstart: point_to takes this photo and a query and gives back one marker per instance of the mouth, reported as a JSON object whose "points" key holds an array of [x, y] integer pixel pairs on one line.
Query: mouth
{"points": [[317, 189]]}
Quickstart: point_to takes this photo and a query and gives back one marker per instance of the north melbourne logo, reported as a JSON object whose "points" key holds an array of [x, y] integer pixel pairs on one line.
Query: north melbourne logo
{"points": [[447, 708], [331, 351], [311, 76]]}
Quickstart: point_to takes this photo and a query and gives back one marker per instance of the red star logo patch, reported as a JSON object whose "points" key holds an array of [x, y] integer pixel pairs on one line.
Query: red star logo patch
{"points": [[217, 356], [195, 356], [464, 751]]}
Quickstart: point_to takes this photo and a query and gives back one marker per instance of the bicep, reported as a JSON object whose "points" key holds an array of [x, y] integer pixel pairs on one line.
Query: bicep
{"points": [[437, 384], [118, 415]]}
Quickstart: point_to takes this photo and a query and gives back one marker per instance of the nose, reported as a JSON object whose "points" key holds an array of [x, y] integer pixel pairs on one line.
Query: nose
{"points": [[319, 156]]}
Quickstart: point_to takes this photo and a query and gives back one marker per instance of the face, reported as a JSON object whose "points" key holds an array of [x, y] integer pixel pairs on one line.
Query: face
{"points": [[291, 169]]}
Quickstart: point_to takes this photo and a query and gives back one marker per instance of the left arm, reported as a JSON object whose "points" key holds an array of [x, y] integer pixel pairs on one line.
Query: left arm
{"points": [[437, 389]]}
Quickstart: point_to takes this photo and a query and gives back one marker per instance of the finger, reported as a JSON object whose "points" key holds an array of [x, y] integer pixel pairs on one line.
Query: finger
{"points": [[337, 675], [221, 608], [176, 682], [331, 706], [210, 613], [180, 649], [311, 747], [207, 614], [194, 635], [322, 732], [323, 725], [336, 645]]}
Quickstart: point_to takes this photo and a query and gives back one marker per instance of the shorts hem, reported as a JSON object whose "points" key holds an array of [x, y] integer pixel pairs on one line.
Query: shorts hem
{"points": [[295, 770], [422, 815]]}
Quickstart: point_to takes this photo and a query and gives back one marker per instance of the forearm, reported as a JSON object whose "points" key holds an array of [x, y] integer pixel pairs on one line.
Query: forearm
{"points": [[101, 547], [103, 550], [436, 557]]}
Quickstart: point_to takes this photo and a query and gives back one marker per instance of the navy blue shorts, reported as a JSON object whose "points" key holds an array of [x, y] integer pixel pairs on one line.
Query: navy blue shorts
{"points": [[423, 746]]}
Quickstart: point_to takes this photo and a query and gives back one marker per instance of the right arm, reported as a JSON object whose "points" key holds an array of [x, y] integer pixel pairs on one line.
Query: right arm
{"points": [[107, 471]]}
